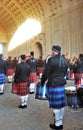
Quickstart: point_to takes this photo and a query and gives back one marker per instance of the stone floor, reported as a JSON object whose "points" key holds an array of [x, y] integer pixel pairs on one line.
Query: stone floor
{"points": [[37, 116]]}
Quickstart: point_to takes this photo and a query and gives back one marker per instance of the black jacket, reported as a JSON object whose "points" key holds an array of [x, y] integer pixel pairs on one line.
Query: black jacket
{"points": [[33, 64], [55, 71], [79, 67], [22, 72], [3, 66]]}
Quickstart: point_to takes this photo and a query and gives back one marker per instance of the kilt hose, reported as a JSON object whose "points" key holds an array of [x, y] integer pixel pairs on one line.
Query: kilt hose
{"points": [[2, 78], [22, 88], [56, 97], [33, 77]]}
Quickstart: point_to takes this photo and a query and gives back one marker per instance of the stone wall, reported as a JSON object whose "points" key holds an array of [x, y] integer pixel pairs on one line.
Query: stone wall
{"points": [[64, 29]]}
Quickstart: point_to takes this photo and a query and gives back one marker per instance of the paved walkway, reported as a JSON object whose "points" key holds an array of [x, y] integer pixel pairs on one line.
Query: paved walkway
{"points": [[37, 116]]}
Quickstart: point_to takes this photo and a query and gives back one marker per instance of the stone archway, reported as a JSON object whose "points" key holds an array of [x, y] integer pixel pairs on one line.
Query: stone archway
{"points": [[38, 49]]}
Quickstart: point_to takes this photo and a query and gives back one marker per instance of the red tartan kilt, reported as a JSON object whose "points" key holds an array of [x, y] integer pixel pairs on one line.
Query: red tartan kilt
{"points": [[33, 77], [78, 81], [22, 88], [71, 76], [40, 70], [14, 88], [14, 69], [10, 72]]}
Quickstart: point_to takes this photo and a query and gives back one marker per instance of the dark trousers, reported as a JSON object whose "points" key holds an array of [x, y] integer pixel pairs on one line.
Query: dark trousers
{"points": [[80, 96]]}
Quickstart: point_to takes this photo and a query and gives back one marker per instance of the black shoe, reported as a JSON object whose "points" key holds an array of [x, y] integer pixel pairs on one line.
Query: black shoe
{"points": [[1, 93], [25, 106], [61, 127], [20, 106], [31, 92], [52, 126]]}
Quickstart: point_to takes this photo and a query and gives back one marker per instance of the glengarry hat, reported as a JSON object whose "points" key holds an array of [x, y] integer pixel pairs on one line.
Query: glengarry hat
{"points": [[56, 48]]}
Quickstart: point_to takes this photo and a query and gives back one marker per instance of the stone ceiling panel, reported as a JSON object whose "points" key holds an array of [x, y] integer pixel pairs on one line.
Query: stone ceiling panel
{"points": [[14, 12]]}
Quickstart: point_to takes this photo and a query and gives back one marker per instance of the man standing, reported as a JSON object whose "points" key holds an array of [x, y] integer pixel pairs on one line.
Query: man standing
{"points": [[54, 73], [40, 66], [21, 80], [3, 69], [78, 70], [33, 74]]}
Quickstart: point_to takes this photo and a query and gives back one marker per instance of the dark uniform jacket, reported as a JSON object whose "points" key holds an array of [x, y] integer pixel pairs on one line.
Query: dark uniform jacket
{"points": [[40, 63], [55, 71], [33, 64], [22, 72], [79, 67], [10, 65], [3, 66]]}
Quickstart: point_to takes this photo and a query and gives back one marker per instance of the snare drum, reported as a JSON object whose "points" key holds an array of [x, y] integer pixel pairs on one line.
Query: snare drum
{"points": [[71, 96], [41, 92]]}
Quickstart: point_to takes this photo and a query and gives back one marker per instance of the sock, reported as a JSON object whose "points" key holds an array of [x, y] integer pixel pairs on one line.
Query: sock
{"points": [[61, 115], [25, 99], [22, 100], [1, 88], [32, 87], [58, 116]]}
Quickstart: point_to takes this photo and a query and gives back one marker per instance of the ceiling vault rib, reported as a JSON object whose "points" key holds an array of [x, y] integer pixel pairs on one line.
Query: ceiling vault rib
{"points": [[9, 13]]}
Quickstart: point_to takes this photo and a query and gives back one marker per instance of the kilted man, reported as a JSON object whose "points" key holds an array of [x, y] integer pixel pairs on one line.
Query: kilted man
{"points": [[54, 73], [33, 74], [40, 66], [10, 69], [78, 70], [21, 79], [3, 69]]}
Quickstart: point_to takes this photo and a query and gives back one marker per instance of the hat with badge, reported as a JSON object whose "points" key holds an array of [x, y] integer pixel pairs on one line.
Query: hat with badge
{"points": [[56, 48]]}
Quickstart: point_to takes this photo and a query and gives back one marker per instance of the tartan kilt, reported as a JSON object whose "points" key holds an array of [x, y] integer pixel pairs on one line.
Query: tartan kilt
{"points": [[78, 79], [33, 77], [14, 69], [14, 88], [2, 78], [22, 88], [10, 72], [40, 70], [56, 97]]}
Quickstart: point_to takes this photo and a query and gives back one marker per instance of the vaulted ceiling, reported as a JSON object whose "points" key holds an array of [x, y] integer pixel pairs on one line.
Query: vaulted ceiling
{"points": [[14, 12]]}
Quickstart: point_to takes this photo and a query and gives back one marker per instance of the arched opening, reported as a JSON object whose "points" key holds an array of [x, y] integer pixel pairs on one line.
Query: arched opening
{"points": [[38, 49], [26, 31]]}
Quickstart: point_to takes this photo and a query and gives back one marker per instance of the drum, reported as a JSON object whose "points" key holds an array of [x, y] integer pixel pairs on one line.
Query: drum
{"points": [[41, 92], [72, 98]]}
